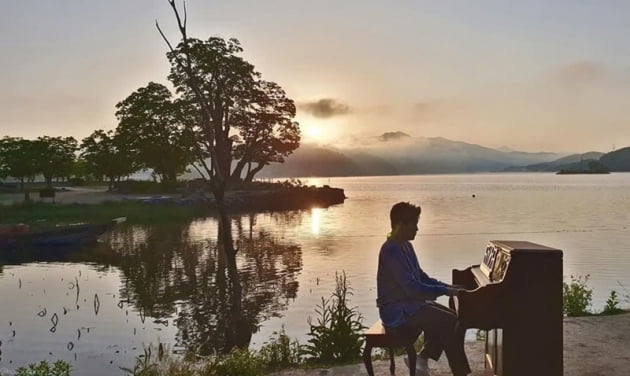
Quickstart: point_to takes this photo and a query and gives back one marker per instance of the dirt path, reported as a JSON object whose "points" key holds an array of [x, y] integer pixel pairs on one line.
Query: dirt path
{"points": [[593, 346]]}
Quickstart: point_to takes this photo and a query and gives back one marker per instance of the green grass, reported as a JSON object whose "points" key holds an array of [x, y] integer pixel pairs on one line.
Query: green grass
{"points": [[37, 214]]}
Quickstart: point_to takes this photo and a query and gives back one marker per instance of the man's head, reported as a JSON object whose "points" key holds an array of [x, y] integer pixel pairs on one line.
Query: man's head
{"points": [[404, 219]]}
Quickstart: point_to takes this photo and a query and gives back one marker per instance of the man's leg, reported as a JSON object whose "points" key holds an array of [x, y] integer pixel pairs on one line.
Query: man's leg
{"points": [[441, 333]]}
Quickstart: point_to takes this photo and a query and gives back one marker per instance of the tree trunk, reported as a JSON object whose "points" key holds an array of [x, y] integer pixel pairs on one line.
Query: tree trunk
{"points": [[251, 173], [238, 170]]}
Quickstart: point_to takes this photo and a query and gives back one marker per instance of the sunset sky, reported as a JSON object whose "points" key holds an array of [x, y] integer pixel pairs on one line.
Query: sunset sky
{"points": [[533, 76]]}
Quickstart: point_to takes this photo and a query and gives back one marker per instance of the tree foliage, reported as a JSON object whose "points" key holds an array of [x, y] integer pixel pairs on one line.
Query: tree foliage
{"points": [[18, 158], [105, 155], [55, 156], [150, 126], [238, 116]]}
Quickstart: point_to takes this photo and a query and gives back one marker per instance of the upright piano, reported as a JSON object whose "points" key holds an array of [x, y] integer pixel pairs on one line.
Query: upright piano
{"points": [[515, 295]]}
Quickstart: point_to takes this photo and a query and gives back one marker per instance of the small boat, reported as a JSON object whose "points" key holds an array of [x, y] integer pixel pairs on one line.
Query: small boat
{"points": [[21, 236]]}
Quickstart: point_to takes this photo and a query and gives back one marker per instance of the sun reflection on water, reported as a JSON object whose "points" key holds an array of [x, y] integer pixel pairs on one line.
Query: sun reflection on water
{"points": [[315, 220]]}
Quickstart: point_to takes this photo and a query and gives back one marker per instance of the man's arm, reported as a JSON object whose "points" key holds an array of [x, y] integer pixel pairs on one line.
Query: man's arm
{"points": [[397, 266]]}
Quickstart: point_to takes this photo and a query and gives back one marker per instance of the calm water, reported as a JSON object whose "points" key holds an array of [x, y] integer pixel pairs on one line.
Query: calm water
{"points": [[97, 308]]}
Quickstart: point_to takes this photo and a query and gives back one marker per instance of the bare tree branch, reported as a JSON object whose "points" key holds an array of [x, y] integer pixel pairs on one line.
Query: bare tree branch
{"points": [[170, 47], [185, 14], [180, 24]]}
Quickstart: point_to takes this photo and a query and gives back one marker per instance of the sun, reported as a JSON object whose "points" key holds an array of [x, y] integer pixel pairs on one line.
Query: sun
{"points": [[312, 132]]}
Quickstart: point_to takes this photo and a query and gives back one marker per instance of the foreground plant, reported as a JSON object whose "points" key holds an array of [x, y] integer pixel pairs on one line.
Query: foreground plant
{"points": [[336, 335], [158, 361], [576, 296], [43, 368], [281, 352], [237, 363], [612, 305]]}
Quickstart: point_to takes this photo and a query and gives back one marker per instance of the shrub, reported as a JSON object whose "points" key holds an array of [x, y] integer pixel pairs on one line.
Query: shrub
{"points": [[280, 352], [237, 363], [160, 362], [336, 335], [612, 304], [576, 296], [59, 368]]}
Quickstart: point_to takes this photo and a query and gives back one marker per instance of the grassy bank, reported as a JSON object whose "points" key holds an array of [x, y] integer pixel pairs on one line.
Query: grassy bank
{"points": [[136, 213]]}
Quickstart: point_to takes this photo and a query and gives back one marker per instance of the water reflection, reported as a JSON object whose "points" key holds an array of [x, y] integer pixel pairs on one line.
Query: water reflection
{"points": [[315, 220], [169, 274]]}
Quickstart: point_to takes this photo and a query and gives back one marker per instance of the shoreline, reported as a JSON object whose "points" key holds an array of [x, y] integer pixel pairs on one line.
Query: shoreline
{"points": [[87, 204]]}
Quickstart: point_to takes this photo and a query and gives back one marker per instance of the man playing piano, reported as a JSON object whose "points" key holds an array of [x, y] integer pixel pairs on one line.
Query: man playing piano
{"points": [[406, 296]]}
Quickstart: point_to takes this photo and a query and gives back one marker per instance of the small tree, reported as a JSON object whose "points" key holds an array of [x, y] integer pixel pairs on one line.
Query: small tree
{"points": [[19, 158], [105, 155], [55, 156]]}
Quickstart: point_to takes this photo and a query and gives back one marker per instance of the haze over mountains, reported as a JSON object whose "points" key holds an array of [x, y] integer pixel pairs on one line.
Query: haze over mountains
{"points": [[397, 153]]}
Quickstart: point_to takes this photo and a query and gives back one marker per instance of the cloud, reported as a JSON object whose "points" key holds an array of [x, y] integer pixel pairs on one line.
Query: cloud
{"points": [[325, 108], [580, 73]]}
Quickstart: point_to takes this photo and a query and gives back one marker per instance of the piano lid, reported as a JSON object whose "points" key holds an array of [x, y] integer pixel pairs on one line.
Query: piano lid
{"points": [[522, 246]]}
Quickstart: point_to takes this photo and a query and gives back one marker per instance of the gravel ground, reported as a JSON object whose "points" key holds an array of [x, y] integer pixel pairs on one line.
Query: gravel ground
{"points": [[593, 346]]}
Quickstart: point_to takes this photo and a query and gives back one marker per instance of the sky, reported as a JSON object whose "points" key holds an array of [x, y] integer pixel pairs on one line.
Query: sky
{"points": [[523, 75]]}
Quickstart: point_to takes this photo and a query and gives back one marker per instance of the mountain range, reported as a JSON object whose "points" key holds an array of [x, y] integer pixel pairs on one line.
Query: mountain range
{"points": [[397, 153]]}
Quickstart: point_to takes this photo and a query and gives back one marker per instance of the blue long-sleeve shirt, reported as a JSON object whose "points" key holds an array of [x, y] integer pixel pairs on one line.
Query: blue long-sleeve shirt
{"points": [[402, 286]]}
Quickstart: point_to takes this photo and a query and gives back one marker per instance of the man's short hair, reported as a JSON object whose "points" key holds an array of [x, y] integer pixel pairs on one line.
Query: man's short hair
{"points": [[404, 212]]}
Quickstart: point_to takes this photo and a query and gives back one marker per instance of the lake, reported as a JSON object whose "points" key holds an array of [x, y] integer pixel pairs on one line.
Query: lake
{"points": [[98, 307]]}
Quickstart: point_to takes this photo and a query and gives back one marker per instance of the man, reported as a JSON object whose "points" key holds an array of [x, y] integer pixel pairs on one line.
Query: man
{"points": [[406, 296]]}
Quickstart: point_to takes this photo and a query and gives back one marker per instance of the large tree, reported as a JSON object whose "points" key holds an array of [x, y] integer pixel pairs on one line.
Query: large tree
{"points": [[152, 130], [241, 119], [106, 155], [224, 88]]}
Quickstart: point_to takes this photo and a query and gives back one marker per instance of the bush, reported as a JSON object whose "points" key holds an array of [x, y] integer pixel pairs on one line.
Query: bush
{"points": [[281, 352], [576, 297], [612, 304], [237, 363], [59, 368], [337, 334], [159, 362]]}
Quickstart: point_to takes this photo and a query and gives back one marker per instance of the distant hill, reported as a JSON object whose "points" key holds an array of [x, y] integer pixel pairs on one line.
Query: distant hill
{"points": [[569, 162], [618, 160], [313, 161], [391, 136], [395, 153]]}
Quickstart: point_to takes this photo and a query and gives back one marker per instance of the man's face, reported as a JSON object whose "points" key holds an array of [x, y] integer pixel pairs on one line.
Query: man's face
{"points": [[410, 229]]}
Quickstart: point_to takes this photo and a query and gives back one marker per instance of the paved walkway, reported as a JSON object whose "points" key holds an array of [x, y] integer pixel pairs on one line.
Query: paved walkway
{"points": [[593, 346]]}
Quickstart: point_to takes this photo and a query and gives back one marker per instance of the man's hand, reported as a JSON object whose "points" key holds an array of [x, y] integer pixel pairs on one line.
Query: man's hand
{"points": [[451, 291]]}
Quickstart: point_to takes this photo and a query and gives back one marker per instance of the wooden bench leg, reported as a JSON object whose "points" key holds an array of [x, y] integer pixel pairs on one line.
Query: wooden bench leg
{"points": [[367, 359], [411, 353], [392, 366]]}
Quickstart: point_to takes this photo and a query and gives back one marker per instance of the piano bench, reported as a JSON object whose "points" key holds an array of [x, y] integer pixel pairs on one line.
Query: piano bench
{"points": [[375, 336]]}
